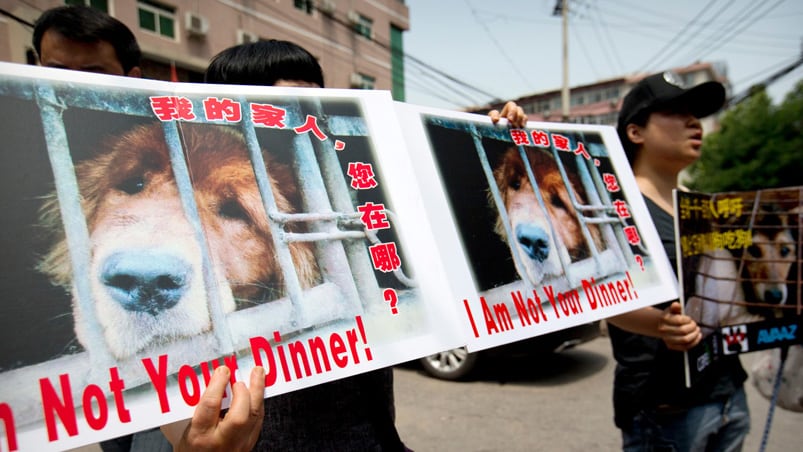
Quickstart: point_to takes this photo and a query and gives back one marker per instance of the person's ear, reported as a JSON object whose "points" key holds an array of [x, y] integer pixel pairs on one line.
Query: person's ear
{"points": [[135, 72], [635, 133]]}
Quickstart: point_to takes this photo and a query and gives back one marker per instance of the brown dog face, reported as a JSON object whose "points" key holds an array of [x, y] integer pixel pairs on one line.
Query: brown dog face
{"points": [[768, 261], [529, 222], [146, 263]]}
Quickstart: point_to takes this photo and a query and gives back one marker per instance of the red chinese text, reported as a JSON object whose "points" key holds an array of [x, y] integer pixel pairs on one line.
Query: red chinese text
{"points": [[374, 216], [222, 110], [268, 115], [362, 175], [172, 108], [384, 257], [311, 125]]}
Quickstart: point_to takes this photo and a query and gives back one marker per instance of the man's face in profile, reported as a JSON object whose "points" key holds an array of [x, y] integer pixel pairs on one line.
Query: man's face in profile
{"points": [[100, 57]]}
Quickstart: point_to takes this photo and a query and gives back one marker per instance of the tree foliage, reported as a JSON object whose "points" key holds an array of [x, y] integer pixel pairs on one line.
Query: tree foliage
{"points": [[758, 145]]}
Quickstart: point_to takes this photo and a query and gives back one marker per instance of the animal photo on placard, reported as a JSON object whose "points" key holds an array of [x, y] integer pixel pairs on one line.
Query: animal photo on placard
{"points": [[532, 214], [750, 271], [146, 265], [548, 236]]}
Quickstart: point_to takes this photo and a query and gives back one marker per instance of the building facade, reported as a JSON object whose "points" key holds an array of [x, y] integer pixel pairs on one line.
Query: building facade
{"points": [[357, 42], [600, 102]]}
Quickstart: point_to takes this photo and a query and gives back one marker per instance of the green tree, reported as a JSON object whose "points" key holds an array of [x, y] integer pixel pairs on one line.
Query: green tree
{"points": [[757, 146]]}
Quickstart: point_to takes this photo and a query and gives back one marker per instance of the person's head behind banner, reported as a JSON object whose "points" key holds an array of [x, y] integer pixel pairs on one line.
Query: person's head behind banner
{"points": [[267, 63], [665, 92], [86, 39]]}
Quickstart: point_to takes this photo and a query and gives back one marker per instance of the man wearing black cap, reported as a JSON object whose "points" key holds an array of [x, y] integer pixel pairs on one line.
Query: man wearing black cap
{"points": [[660, 130]]}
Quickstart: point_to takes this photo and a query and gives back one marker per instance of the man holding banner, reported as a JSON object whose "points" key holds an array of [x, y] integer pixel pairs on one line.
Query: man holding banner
{"points": [[661, 133]]}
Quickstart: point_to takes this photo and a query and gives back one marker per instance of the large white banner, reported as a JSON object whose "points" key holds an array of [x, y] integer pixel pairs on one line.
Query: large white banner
{"points": [[153, 231]]}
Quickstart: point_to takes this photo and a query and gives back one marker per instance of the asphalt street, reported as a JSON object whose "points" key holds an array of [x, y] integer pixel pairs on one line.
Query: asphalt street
{"points": [[557, 402]]}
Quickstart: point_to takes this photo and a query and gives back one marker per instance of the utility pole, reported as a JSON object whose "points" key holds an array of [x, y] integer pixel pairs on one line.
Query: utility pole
{"points": [[562, 8]]}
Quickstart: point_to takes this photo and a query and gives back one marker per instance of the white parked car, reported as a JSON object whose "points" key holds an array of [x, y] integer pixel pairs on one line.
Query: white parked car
{"points": [[458, 363]]}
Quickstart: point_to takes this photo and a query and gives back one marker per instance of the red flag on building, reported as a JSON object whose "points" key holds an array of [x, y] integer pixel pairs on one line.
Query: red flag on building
{"points": [[173, 73]]}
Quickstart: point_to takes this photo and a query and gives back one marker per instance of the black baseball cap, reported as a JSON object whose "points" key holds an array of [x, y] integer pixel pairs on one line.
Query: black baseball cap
{"points": [[665, 90]]}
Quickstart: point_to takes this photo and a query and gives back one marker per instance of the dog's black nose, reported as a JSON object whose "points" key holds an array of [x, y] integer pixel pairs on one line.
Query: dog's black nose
{"points": [[774, 296], [534, 240], [145, 280]]}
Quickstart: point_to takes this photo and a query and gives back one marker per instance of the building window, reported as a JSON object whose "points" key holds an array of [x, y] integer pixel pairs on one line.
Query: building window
{"points": [[102, 5], [157, 18], [304, 5], [362, 81], [397, 63], [362, 25]]}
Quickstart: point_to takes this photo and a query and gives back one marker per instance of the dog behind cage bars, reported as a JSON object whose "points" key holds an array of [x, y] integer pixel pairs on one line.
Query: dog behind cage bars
{"points": [[751, 283], [146, 272], [550, 235]]}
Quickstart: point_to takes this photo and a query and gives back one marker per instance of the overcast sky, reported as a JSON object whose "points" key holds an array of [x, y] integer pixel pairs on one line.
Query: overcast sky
{"points": [[515, 50]]}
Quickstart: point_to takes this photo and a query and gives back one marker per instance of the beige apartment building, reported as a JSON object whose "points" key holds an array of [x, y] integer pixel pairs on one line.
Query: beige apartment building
{"points": [[357, 42], [599, 102]]}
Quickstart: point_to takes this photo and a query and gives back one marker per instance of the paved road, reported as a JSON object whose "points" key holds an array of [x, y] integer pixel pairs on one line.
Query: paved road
{"points": [[562, 402]]}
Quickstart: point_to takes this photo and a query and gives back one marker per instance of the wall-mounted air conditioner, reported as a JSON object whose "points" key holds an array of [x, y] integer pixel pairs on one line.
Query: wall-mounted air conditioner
{"points": [[327, 7], [196, 24], [354, 17], [356, 80], [244, 37], [361, 81]]}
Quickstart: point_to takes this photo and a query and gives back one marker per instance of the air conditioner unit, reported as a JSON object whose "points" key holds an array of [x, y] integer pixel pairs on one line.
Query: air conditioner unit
{"points": [[244, 37], [327, 7], [356, 80], [354, 17], [196, 24]]}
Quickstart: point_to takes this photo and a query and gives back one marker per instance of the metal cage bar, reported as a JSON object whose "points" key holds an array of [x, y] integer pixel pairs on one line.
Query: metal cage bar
{"points": [[600, 206]]}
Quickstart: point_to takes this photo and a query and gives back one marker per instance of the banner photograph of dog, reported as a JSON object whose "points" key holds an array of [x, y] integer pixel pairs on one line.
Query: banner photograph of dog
{"points": [[552, 227], [741, 255], [153, 234]]}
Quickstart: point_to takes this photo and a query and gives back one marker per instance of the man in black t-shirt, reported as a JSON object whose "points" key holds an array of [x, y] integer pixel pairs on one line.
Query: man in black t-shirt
{"points": [[661, 132]]}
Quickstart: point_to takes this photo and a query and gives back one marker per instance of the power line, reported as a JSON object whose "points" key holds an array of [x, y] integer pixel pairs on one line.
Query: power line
{"points": [[672, 41], [585, 51], [747, 21], [606, 33], [16, 18], [447, 81], [496, 43], [737, 99]]}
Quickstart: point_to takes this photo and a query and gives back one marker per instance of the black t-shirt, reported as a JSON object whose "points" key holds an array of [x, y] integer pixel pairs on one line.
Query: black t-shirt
{"points": [[648, 374], [352, 414]]}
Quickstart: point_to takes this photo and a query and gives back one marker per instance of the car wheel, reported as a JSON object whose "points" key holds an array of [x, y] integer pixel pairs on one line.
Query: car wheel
{"points": [[452, 364]]}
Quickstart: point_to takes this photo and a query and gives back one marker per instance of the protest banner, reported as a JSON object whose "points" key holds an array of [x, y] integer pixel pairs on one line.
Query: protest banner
{"points": [[579, 248], [740, 254], [156, 230]]}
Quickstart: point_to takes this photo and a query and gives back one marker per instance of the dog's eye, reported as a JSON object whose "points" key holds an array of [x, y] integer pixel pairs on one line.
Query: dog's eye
{"points": [[516, 184], [233, 210], [132, 185], [754, 251], [556, 201], [786, 250]]}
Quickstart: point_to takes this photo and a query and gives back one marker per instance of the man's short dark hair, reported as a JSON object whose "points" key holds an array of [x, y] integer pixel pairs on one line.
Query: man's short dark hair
{"points": [[89, 25], [264, 63]]}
